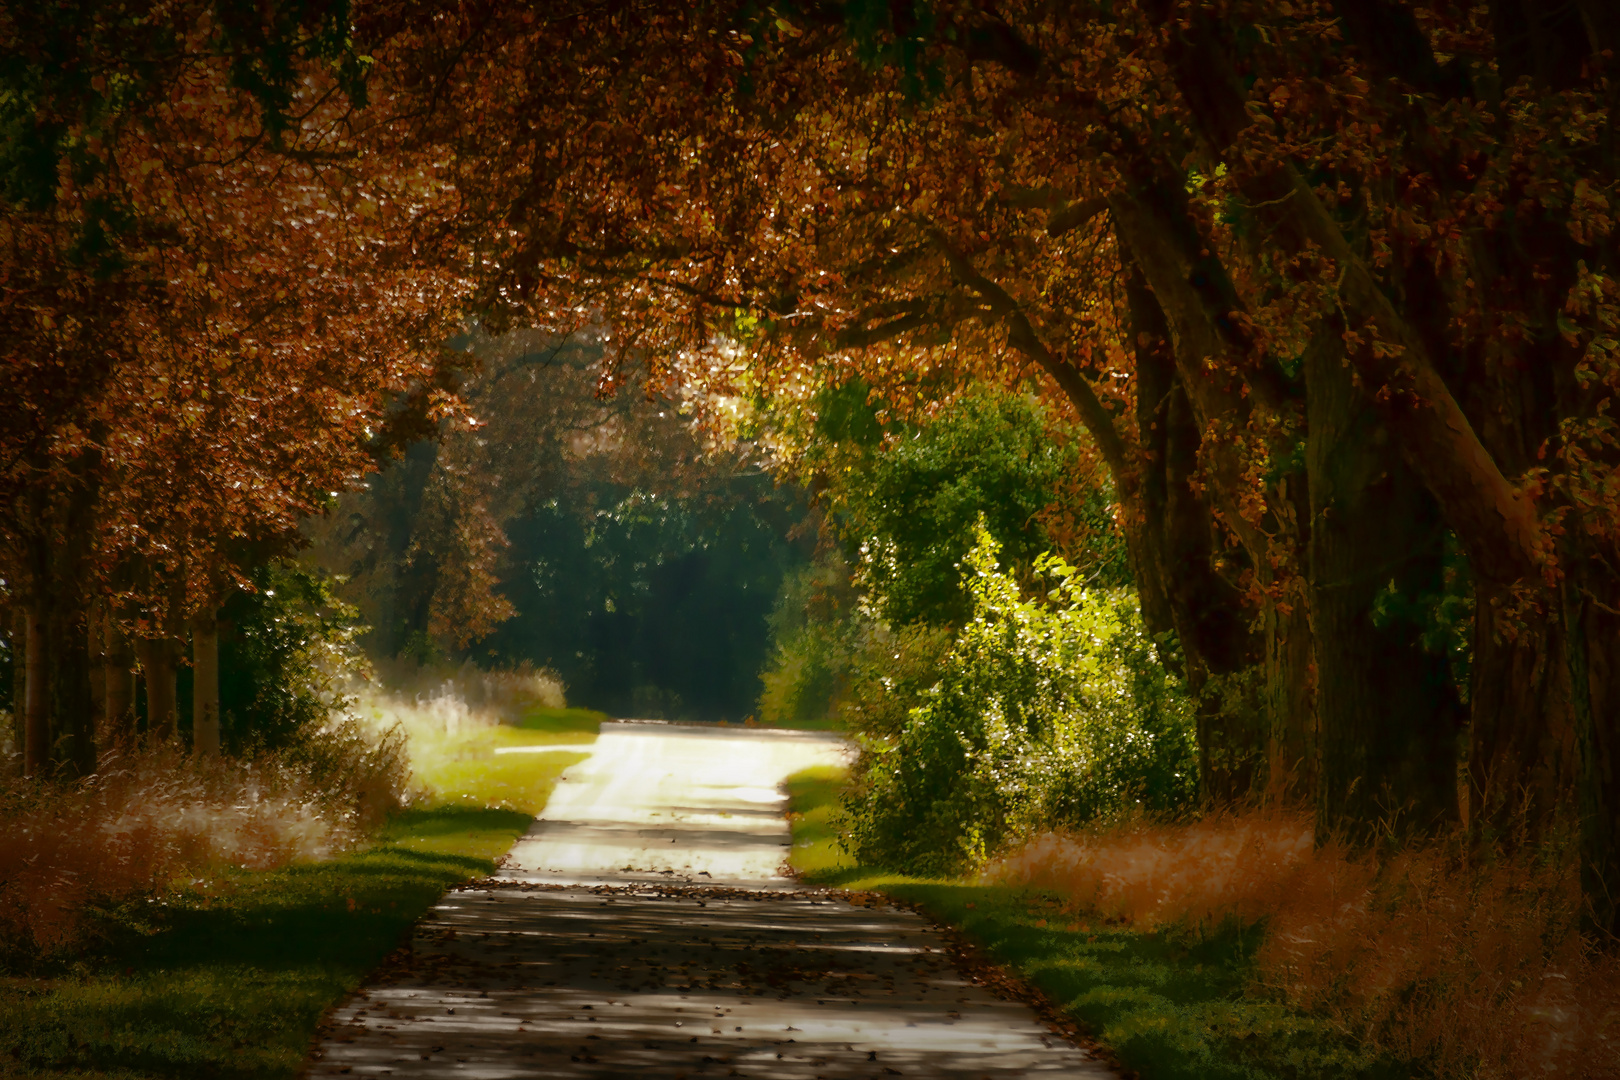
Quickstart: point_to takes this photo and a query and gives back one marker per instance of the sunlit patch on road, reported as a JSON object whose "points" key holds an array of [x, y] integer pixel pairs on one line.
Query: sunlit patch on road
{"points": [[593, 954]]}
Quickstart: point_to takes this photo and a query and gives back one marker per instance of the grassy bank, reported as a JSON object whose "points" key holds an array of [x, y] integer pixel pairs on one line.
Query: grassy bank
{"points": [[228, 976], [1170, 1005]]}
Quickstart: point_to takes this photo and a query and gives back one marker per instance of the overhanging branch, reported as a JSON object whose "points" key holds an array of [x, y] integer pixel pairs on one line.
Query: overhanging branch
{"points": [[1022, 336]]}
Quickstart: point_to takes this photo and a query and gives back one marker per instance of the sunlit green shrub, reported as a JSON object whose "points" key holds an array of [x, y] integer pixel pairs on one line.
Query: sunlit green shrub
{"points": [[835, 660], [1049, 711], [910, 507], [285, 650]]}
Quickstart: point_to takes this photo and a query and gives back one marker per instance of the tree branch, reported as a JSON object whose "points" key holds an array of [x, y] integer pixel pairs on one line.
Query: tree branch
{"points": [[1494, 519], [1022, 336], [1071, 217]]}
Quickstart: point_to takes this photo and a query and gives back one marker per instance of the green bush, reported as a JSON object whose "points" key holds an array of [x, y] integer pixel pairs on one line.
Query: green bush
{"points": [[810, 628], [1049, 711], [285, 647], [987, 456]]}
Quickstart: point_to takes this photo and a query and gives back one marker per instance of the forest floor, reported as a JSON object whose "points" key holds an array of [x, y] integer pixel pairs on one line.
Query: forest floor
{"points": [[1169, 1004], [643, 927]]}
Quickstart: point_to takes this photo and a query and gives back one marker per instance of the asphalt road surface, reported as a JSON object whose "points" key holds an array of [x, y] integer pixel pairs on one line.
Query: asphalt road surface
{"points": [[644, 929]]}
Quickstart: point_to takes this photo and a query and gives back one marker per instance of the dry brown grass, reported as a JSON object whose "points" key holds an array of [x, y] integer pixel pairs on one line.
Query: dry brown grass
{"points": [[451, 700], [1475, 967], [150, 820]]}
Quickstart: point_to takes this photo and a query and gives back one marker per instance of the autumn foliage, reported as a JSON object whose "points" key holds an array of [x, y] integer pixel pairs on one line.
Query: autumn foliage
{"points": [[1329, 286], [213, 314]]}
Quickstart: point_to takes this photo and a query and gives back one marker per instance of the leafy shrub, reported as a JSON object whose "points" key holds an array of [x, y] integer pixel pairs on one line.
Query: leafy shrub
{"points": [[834, 659], [890, 674], [285, 650], [987, 456], [1048, 711]]}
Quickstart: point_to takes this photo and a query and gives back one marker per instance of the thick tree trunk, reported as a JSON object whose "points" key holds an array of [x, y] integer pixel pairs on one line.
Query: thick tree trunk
{"points": [[1592, 618], [73, 737], [1390, 718], [96, 629], [162, 705], [1545, 731], [1524, 754], [1181, 537], [1149, 533], [205, 684], [19, 677], [36, 692], [118, 676], [1292, 766]]}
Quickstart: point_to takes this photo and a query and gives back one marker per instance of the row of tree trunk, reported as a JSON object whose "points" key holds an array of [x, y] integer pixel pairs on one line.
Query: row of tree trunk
{"points": [[80, 670], [1386, 466]]}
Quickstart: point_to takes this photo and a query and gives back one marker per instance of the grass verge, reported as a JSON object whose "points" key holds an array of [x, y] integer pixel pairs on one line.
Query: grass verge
{"points": [[229, 976], [1169, 1005]]}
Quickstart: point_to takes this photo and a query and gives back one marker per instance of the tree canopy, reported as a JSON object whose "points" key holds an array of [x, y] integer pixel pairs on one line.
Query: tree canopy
{"points": [[1329, 286]]}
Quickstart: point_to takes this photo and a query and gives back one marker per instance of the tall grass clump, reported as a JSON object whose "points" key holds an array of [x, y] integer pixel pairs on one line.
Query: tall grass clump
{"points": [[449, 699], [78, 858], [1468, 964], [1052, 709]]}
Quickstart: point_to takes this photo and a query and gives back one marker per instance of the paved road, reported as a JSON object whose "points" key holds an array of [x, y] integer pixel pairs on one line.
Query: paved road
{"points": [[643, 929]]}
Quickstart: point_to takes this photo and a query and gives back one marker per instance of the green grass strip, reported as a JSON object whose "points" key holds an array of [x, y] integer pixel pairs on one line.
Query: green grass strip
{"points": [[230, 977], [1170, 1005]]}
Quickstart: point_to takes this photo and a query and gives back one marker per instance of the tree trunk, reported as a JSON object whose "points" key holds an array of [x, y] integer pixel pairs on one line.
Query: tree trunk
{"points": [[1524, 753], [96, 630], [1292, 766], [157, 663], [1181, 536], [1389, 715], [19, 677], [73, 738], [119, 679], [1545, 728], [36, 692], [205, 684], [1592, 615]]}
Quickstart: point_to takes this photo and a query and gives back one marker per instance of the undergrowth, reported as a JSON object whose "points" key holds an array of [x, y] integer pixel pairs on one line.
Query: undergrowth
{"points": [[70, 854], [221, 966], [229, 977], [1234, 946], [1469, 966]]}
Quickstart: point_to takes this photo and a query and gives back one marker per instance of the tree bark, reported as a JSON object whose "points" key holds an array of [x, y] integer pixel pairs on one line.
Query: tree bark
{"points": [[1181, 535], [1520, 773], [1592, 615], [1292, 735], [36, 692], [96, 630], [1389, 717], [73, 737], [205, 684], [1263, 720], [1556, 778], [162, 706], [118, 677]]}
